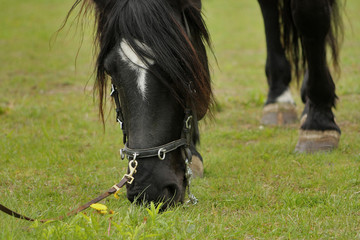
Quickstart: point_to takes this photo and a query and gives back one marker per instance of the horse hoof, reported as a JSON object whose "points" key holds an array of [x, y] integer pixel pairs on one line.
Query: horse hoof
{"points": [[279, 114], [197, 167], [311, 141]]}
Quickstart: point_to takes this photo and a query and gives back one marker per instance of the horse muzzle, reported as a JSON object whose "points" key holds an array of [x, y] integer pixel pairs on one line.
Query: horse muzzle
{"points": [[168, 194]]}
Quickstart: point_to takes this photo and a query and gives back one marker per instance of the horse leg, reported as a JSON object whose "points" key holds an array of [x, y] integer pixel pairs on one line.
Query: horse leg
{"points": [[319, 132], [279, 108]]}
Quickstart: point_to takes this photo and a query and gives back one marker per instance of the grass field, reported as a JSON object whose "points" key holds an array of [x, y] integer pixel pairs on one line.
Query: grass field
{"points": [[54, 153]]}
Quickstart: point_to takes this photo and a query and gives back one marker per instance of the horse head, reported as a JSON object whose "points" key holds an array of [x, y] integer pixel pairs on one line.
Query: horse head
{"points": [[154, 53]]}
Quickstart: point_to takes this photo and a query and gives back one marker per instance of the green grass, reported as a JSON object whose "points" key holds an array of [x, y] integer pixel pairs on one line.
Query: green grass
{"points": [[55, 155]]}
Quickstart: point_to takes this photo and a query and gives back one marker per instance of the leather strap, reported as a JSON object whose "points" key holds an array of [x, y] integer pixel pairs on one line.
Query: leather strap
{"points": [[14, 214], [119, 114], [109, 192], [154, 151]]}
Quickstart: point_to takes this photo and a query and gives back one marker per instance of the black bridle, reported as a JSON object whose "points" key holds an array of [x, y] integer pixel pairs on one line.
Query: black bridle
{"points": [[159, 151]]}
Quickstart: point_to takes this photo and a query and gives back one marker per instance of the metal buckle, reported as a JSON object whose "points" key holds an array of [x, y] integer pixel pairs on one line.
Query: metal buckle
{"points": [[162, 153], [116, 187], [122, 154], [132, 170], [134, 156], [188, 122], [112, 90], [120, 122]]}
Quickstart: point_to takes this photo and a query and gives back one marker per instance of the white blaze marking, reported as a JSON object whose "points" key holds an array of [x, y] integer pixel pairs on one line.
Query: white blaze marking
{"points": [[129, 56], [286, 97]]}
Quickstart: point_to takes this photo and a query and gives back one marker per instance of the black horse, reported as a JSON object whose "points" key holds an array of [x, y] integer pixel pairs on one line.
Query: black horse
{"points": [[297, 35], [154, 53]]}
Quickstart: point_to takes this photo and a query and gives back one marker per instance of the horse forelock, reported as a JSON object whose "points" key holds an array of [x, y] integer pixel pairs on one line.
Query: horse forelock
{"points": [[182, 60]]}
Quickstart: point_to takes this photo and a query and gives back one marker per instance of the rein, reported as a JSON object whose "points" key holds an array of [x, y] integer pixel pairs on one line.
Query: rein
{"points": [[109, 192], [133, 155]]}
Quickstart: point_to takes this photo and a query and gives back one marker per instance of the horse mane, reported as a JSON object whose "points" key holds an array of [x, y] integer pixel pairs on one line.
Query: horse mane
{"points": [[292, 40], [181, 59]]}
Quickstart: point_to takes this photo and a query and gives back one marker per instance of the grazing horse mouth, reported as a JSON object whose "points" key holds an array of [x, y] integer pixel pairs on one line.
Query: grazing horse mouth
{"points": [[169, 196]]}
